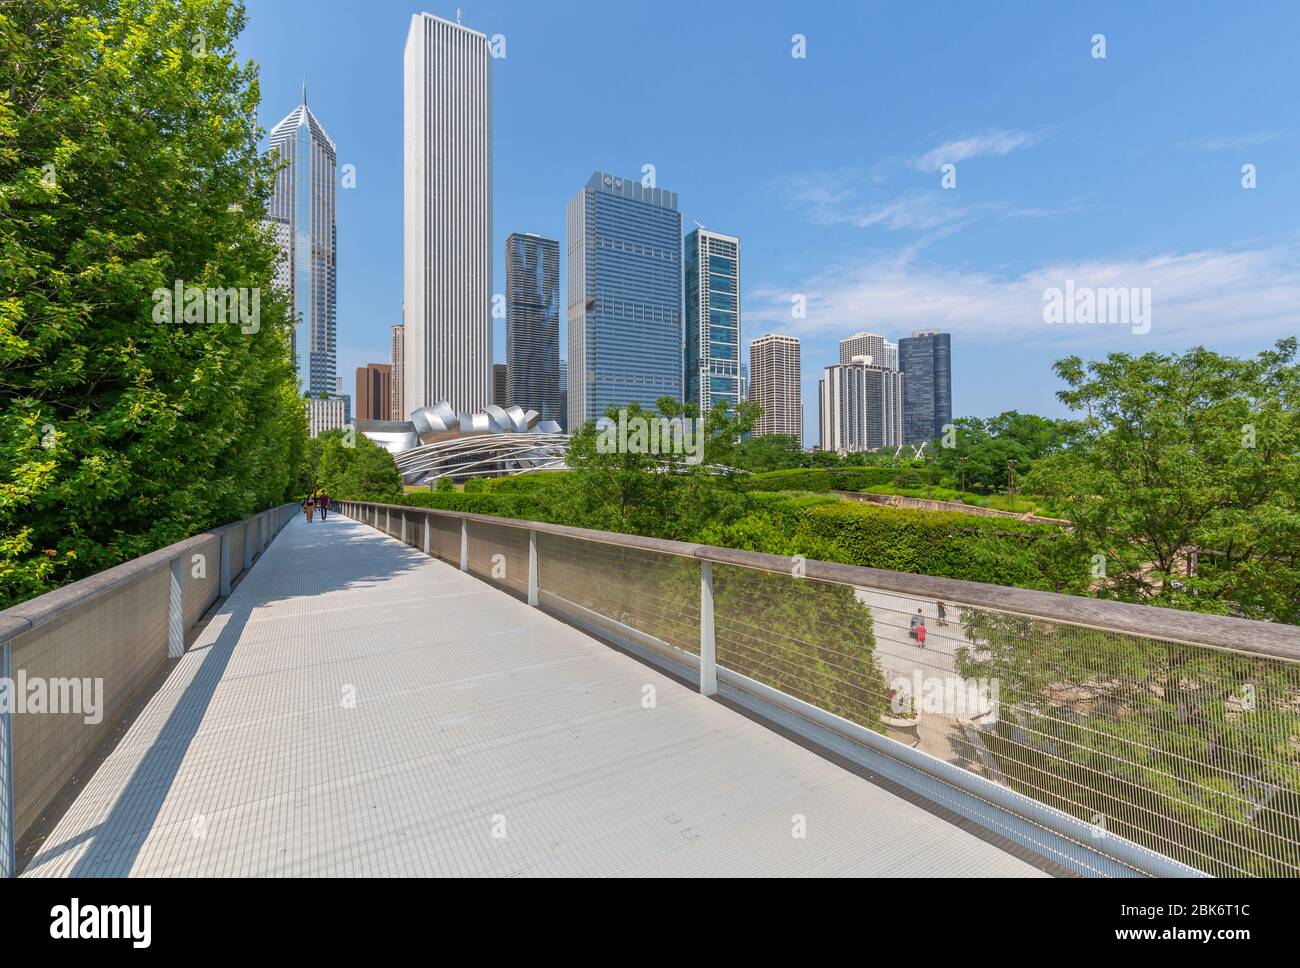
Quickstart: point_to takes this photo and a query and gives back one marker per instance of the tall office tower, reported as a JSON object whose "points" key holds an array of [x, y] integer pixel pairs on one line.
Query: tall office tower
{"points": [[500, 385], [564, 395], [302, 213], [447, 216], [397, 400], [861, 406], [625, 297], [533, 323], [374, 392], [864, 344], [712, 263], [926, 359], [774, 385], [891, 355]]}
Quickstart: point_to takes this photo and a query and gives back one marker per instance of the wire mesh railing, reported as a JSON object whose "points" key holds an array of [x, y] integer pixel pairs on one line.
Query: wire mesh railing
{"points": [[1177, 732], [90, 649]]}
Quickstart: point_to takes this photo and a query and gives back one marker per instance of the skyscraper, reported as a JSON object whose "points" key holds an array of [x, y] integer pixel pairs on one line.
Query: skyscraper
{"points": [[500, 385], [533, 323], [302, 213], [447, 216], [374, 392], [564, 395], [625, 297], [864, 344], [861, 406], [712, 263], [397, 391], [774, 368], [926, 359]]}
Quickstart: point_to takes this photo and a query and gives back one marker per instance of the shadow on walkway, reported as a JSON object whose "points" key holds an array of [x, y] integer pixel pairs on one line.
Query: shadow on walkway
{"points": [[305, 560]]}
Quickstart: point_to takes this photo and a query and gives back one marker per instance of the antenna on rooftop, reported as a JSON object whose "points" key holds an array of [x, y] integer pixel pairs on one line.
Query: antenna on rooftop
{"points": [[458, 16]]}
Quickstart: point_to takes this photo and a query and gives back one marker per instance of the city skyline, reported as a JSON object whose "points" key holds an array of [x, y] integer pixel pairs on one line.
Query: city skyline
{"points": [[873, 241]]}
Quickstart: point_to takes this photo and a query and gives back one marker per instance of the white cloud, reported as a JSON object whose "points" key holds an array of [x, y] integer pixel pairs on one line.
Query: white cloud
{"points": [[997, 143], [1227, 142], [1206, 296]]}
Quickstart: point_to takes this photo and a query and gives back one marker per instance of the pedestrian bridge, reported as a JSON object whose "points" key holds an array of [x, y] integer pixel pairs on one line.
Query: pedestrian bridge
{"points": [[396, 692]]}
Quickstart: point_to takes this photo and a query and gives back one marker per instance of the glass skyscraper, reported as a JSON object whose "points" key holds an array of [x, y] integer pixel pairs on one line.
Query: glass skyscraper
{"points": [[302, 212], [926, 361], [625, 297], [712, 264], [533, 323]]}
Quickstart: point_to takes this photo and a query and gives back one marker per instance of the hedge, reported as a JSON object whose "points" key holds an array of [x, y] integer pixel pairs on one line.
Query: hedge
{"points": [[822, 480]]}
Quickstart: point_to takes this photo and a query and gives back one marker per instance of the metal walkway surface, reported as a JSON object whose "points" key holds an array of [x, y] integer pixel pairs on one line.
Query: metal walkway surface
{"points": [[356, 709]]}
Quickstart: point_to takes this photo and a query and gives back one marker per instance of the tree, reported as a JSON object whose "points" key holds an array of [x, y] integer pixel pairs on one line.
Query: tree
{"points": [[631, 489], [983, 448], [353, 466], [770, 452], [1184, 489], [129, 165]]}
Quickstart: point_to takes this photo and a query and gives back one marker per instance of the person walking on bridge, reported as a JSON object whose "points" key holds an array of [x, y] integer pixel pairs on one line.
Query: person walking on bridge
{"points": [[309, 506], [324, 503]]}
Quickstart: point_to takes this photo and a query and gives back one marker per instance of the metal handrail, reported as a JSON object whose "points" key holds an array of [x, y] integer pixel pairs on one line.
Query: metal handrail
{"points": [[32, 615], [1063, 618], [1223, 632]]}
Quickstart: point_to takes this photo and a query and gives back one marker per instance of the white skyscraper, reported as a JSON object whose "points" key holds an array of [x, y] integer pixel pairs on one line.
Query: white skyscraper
{"points": [[448, 216], [774, 368], [861, 406], [865, 344]]}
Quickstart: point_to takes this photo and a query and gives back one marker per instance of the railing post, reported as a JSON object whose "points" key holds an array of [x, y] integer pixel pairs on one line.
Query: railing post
{"points": [[532, 568], [464, 544], [402, 515], [427, 530], [388, 521], [175, 617], [708, 644], [8, 852], [225, 565], [248, 545]]}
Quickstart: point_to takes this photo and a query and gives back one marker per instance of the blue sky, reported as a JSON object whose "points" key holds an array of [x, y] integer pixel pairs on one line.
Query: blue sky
{"points": [[1123, 171]]}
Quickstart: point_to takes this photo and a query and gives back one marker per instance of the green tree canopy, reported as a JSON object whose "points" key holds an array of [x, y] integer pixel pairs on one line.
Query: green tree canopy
{"points": [[1185, 485], [353, 466], [129, 162]]}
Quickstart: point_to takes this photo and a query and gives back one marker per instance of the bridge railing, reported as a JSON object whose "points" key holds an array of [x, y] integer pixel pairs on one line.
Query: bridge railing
{"points": [[1122, 738], [74, 660]]}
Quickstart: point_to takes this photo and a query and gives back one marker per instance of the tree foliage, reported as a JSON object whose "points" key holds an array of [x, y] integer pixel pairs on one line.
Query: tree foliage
{"points": [[1181, 454], [128, 160], [983, 447], [350, 464]]}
